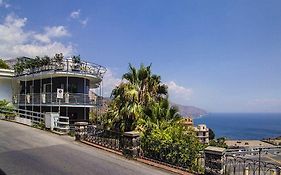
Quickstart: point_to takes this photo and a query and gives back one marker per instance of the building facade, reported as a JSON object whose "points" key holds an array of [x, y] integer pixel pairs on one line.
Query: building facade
{"points": [[68, 86], [202, 132]]}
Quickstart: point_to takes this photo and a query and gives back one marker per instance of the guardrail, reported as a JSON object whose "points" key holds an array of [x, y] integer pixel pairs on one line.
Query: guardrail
{"points": [[67, 65], [239, 165], [31, 117], [103, 137], [51, 98]]}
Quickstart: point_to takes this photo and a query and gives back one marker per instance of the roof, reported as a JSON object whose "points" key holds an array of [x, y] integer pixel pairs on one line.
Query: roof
{"points": [[247, 143]]}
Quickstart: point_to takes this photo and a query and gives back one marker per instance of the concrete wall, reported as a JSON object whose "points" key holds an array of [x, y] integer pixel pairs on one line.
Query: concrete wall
{"points": [[6, 89]]}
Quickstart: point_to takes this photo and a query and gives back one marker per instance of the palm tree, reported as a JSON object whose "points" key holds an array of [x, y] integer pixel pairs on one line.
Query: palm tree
{"points": [[131, 98]]}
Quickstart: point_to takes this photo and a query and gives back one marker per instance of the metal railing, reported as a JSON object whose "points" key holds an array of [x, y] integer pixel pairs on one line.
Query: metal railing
{"points": [[67, 65], [31, 117], [106, 138], [51, 98], [239, 165]]}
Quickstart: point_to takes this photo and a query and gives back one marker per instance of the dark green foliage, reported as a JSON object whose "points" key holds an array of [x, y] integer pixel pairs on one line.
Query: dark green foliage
{"points": [[171, 143], [211, 134], [76, 59], [3, 65], [141, 103], [7, 109], [220, 142]]}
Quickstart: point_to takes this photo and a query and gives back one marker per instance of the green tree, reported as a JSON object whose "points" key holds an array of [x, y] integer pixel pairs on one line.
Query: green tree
{"points": [[129, 100], [171, 143], [220, 142], [3, 64], [211, 134], [141, 103]]}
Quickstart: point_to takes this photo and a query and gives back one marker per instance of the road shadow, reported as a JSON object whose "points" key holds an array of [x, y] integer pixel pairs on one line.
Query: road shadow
{"points": [[2, 172]]}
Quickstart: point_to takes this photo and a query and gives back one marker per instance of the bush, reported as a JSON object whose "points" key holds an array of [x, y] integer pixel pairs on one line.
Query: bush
{"points": [[3, 65], [171, 143]]}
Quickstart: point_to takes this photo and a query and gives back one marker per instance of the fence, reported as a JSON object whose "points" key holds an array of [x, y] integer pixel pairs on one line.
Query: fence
{"points": [[239, 165], [129, 144], [31, 117], [219, 162], [106, 138]]}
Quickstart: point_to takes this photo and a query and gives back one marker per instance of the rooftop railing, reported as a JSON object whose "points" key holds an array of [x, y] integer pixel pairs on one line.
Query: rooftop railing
{"points": [[66, 65]]}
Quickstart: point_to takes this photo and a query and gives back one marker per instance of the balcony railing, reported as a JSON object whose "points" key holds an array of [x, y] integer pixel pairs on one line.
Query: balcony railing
{"points": [[67, 65], [51, 98]]}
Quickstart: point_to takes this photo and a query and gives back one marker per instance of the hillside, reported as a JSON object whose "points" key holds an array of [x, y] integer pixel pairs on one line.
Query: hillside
{"points": [[184, 110], [190, 110]]}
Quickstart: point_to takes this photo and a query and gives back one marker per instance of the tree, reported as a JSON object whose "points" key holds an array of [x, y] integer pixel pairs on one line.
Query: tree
{"points": [[220, 142], [131, 98], [3, 64], [211, 134], [141, 103], [171, 143]]}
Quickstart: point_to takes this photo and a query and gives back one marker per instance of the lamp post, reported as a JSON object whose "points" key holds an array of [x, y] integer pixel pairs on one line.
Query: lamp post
{"points": [[260, 149]]}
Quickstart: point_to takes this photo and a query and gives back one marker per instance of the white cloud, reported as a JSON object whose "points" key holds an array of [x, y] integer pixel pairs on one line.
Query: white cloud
{"points": [[110, 81], [84, 22], [3, 3], [75, 14], [52, 32], [177, 93], [16, 41]]}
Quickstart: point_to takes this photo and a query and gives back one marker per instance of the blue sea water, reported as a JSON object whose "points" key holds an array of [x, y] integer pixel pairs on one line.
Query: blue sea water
{"points": [[243, 126]]}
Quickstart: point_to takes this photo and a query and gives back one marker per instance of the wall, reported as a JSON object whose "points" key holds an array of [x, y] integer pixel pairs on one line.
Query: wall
{"points": [[6, 89]]}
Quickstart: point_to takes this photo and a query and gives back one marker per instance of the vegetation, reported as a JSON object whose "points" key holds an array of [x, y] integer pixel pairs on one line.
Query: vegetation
{"points": [[220, 142], [6, 108], [141, 103], [3, 64], [40, 125], [211, 134]]}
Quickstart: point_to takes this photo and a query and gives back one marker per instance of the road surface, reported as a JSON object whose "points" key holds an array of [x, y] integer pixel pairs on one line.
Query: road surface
{"points": [[26, 150]]}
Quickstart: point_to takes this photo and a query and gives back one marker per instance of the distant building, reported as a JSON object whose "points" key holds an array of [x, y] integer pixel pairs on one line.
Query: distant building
{"points": [[246, 144], [188, 122], [202, 132]]}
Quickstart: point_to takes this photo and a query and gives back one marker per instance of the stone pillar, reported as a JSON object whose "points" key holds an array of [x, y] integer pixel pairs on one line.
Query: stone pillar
{"points": [[214, 160], [80, 130], [131, 144]]}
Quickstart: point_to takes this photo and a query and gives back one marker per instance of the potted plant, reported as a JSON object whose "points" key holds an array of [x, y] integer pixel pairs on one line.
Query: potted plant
{"points": [[58, 60], [76, 60]]}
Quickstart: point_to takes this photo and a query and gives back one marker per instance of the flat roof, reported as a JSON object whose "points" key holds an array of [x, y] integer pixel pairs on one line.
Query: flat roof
{"points": [[247, 143]]}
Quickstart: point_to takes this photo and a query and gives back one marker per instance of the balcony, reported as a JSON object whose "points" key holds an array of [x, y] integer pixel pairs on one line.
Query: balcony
{"points": [[63, 66], [50, 99]]}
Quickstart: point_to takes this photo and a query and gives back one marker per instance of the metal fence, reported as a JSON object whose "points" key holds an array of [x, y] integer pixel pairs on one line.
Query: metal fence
{"points": [[103, 137], [67, 65], [31, 117], [51, 98], [239, 165]]}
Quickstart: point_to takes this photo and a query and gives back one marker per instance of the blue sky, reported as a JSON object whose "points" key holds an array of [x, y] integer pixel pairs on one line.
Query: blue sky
{"points": [[222, 56]]}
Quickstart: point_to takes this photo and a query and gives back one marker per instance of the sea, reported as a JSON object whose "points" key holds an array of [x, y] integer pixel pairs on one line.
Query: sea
{"points": [[251, 126]]}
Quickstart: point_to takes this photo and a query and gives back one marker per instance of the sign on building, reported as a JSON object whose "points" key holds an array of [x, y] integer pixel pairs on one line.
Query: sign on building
{"points": [[60, 93]]}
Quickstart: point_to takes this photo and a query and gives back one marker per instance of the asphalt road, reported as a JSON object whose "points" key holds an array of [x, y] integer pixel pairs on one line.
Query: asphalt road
{"points": [[26, 150]]}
